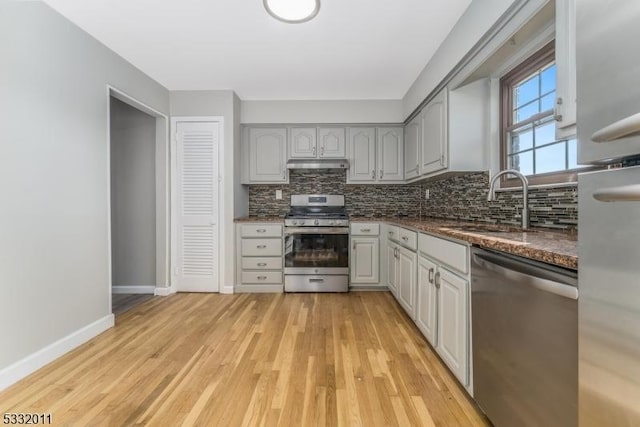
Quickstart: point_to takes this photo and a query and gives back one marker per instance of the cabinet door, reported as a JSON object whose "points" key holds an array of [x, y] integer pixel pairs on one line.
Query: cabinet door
{"points": [[331, 143], [365, 253], [412, 137], [407, 265], [362, 154], [302, 143], [390, 153], [433, 152], [453, 329], [426, 303], [267, 155], [392, 269], [565, 68]]}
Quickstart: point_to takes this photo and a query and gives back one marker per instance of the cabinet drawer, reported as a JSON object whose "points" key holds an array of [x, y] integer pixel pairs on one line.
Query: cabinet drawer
{"points": [[261, 247], [365, 229], [260, 277], [261, 263], [393, 233], [408, 238], [261, 230], [452, 254]]}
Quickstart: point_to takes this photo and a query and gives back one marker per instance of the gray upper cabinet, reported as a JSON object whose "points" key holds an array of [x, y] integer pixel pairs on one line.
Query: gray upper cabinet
{"points": [[267, 152], [302, 143], [412, 142], [331, 143], [362, 154], [434, 142], [390, 154]]}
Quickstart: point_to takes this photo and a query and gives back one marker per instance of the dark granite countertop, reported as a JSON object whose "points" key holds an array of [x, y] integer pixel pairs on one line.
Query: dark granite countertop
{"points": [[258, 219], [550, 246]]}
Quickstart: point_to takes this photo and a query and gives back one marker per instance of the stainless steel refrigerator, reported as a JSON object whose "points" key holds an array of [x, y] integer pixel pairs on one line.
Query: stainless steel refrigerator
{"points": [[608, 102]]}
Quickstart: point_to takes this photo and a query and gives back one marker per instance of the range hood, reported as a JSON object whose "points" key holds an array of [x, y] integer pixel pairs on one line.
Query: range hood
{"points": [[318, 164]]}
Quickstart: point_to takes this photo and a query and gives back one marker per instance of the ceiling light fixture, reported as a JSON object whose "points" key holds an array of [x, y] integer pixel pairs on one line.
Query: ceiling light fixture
{"points": [[292, 11]]}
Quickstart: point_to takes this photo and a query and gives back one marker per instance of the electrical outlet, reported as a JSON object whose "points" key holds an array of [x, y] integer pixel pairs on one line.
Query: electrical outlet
{"points": [[278, 194], [426, 194]]}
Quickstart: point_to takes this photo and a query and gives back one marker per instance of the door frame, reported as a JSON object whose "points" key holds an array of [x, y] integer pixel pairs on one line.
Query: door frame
{"points": [[224, 235], [163, 191]]}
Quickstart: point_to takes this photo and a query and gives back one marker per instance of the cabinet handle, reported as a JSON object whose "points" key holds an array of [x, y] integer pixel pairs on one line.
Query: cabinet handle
{"points": [[391, 234], [365, 230], [322, 151], [262, 264], [418, 167], [314, 151], [262, 277], [373, 174], [431, 275], [381, 173], [437, 279], [261, 230], [354, 246], [261, 246], [405, 238]]}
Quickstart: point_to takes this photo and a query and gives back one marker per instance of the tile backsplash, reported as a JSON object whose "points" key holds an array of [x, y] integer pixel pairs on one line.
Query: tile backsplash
{"points": [[462, 197], [360, 200]]}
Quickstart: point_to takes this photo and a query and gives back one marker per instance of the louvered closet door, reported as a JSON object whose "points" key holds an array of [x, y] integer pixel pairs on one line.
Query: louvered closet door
{"points": [[198, 207]]}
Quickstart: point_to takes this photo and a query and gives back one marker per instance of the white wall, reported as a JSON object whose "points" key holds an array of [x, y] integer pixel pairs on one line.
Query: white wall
{"points": [[133, 196], [345, 111], [479, 17], [54, 273], [220, 103]]}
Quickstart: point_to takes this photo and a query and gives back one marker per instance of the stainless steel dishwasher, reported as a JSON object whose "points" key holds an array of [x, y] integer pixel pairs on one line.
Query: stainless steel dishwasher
{"points": [[524, 340]]}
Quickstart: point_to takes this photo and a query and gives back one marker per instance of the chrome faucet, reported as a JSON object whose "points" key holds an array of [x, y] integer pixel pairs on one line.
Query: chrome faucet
{"points": [[525, 193]]}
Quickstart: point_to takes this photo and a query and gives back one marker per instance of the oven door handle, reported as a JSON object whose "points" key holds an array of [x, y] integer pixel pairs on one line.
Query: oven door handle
{"points": [[316, 230]]}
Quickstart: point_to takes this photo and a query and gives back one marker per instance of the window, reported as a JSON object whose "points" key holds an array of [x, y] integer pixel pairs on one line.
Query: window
{"points": [[528, 124]]}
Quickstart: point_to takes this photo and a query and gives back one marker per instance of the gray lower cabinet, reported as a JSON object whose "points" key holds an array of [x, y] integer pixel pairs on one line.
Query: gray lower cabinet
{"points": [[259, 258], [364, 255], [426, 302]]}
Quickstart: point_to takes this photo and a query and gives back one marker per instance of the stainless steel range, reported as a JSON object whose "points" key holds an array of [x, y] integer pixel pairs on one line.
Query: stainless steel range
{"points": [[316, 244]]}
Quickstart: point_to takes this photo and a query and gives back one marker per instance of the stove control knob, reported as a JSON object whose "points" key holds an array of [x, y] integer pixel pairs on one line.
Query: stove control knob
{"points": [[316, 222]]}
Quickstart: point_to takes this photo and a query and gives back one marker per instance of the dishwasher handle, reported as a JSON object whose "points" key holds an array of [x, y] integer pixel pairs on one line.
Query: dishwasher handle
{"points": [[529, 274]]}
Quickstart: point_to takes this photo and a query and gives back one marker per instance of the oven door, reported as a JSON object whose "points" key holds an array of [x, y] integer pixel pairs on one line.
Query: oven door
{"points": [[316, 250]]}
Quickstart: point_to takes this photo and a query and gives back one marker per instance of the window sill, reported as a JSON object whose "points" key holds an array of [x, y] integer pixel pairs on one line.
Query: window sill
{"points": [[539, 186]]}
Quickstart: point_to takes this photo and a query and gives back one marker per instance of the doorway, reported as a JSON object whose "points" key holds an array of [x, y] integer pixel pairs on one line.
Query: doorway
{"points": [[138, 200]]}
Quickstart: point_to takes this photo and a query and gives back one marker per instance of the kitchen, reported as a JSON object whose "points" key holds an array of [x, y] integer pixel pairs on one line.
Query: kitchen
{"points": [[435, 257]]}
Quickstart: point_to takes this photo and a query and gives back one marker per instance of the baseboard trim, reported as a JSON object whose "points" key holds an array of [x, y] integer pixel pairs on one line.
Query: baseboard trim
{"points": [[227, 289], [164, 292], [28, 365], [124, 289]]}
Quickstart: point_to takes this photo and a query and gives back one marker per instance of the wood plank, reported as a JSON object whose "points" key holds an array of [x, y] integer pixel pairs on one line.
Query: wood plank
{"points": [[261, 359]]}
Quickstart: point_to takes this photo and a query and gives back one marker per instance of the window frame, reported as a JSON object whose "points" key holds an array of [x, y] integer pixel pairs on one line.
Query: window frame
{"points": [[535, 62]]}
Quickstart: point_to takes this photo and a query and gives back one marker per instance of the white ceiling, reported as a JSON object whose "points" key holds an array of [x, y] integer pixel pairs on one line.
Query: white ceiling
{"points": [[353, 49]]}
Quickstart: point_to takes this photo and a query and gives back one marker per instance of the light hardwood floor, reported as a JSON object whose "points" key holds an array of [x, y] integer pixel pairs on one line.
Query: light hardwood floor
{"points": [[251, 359]]}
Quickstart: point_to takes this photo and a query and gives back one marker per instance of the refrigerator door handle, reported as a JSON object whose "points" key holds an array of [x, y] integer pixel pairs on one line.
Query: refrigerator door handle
{"points": [[621, 129], [625, 193]]}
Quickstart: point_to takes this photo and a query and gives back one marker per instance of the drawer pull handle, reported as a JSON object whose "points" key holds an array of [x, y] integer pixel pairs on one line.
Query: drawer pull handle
{"points": [[405, 238], [365, 230], [391, 233], [262, 264], [262, 277], [261, 246], [261, 230], [316, 280], [431, 275]]}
